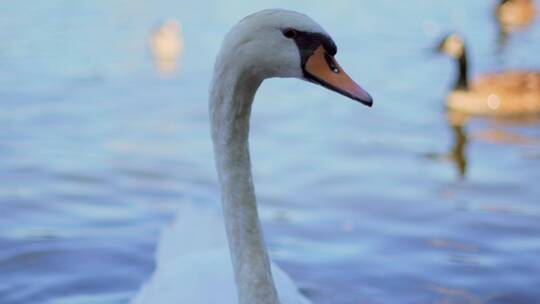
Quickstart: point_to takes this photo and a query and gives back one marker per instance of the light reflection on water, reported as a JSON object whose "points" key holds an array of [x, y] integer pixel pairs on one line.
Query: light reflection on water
{"points": [[97, 150]]}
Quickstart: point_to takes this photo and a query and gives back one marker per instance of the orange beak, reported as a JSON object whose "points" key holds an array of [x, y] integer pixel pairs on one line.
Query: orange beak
{"points": [[323, 69]]}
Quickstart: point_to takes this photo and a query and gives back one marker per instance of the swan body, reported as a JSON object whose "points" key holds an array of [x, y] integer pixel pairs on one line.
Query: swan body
{"points": [[509, 93], [198, 260], [194, 265]]}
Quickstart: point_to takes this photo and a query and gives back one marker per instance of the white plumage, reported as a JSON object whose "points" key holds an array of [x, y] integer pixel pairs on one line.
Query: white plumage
{"points": [[206, 258], [194, 264]]}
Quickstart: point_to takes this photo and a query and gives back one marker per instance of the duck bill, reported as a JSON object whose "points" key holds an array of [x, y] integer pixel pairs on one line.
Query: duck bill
{"points": [[323, 69]]}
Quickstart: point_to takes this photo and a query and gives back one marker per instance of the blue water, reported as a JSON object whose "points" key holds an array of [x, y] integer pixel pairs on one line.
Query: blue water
{"points": [[98, 149]]}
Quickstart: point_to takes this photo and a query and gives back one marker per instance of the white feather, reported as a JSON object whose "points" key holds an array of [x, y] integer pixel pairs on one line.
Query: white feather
{"points": [[193, 259], [194, 264]]}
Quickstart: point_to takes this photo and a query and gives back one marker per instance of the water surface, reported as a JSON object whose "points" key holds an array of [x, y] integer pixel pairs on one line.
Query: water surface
{"points": [[98, 149]]}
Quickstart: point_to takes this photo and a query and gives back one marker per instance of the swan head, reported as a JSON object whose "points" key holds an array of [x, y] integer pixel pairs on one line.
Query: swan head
{"points": [[282, 43], [453, 45]]}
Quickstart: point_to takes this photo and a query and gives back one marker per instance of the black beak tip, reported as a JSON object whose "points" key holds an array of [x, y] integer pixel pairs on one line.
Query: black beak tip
{"points": [[367, 100]]}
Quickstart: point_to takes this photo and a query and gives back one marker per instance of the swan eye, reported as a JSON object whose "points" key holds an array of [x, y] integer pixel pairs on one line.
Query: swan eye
{"points": [[290, 33]]}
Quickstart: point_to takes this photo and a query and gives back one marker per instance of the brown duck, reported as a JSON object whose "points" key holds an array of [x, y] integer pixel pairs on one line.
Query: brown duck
{"points": [[515, 14], [508, 93]]}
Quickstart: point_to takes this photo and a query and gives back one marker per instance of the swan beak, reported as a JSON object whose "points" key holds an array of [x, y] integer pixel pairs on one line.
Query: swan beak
{"points": [[323, 69]]}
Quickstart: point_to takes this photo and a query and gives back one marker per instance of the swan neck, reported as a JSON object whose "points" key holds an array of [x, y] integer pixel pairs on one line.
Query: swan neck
{"points": [[462, 82], [231, 96]]}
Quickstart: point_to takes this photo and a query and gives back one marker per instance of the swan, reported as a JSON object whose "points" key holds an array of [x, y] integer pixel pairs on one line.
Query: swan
{"points": [[232, 266]]}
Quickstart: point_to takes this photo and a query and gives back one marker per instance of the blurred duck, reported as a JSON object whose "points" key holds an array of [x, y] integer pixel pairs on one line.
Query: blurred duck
{"points": [[509, 93], [166, 45], [515, 14]]}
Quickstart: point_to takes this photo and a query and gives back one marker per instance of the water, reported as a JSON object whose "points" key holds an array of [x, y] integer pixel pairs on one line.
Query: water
{"points": [[358, 205]]}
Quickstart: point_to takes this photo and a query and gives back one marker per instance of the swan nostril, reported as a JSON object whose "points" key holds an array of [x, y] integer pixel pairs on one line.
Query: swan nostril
{"points": [[331, 63]]}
